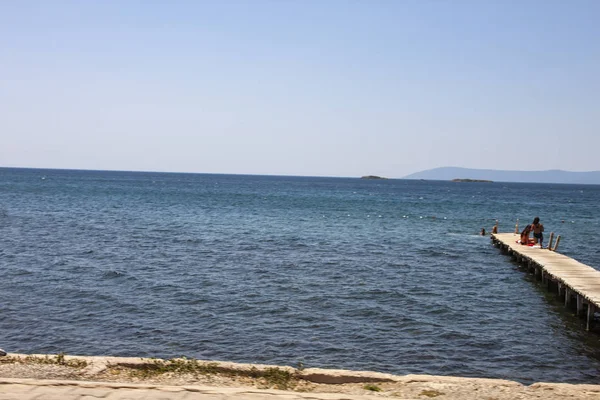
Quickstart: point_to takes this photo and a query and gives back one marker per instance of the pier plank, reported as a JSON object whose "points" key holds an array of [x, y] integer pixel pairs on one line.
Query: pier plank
{"points": [[579, 279]]}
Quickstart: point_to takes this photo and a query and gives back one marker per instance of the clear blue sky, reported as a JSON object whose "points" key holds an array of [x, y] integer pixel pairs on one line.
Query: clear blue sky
{"points": [[333, 88]]}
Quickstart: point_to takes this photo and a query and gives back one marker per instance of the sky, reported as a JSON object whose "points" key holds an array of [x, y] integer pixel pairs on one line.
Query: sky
{"points": [[300, 87]]}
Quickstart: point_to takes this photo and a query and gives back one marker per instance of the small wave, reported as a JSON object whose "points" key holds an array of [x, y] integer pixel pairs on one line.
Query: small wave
{"points": [[469, 236], [113, 274], [21, 272]]}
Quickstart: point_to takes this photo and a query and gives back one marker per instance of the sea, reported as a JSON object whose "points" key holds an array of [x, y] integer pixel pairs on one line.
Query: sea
{"points": [[346, 273]]}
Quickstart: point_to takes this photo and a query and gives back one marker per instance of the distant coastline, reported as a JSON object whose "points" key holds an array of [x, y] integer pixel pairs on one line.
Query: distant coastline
{"points": [[372, 177], [549, 176], [470, 180]]}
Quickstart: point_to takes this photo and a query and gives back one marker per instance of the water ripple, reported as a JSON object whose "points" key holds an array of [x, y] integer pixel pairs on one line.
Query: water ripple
{"points": [[280, 270]]}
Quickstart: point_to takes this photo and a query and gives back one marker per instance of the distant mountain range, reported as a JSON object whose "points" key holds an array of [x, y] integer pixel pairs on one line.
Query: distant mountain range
{"points": [[550, 176]]}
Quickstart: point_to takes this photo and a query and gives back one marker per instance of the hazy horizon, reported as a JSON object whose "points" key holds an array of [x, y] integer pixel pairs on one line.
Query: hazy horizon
{"points": [[407, 176], [300, 88]]}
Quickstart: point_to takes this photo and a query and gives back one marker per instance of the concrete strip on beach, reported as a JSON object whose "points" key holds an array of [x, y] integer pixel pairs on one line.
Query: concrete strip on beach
{"points": [[324, 384], [29, 389]]}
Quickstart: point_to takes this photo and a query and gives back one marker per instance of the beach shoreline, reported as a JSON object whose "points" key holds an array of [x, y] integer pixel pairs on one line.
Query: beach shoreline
{"points": [[110, 372]]}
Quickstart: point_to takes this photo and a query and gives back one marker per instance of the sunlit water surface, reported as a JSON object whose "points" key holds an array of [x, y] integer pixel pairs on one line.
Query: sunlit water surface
{"points": [[387, 276]]}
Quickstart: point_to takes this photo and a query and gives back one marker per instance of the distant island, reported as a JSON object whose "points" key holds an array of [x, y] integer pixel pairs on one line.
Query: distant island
{"points": [[372, 177], [469, 180], [550, 176]]}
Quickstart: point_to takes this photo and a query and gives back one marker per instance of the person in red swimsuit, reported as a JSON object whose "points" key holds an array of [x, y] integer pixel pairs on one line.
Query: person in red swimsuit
{"points": [[525, 235]]}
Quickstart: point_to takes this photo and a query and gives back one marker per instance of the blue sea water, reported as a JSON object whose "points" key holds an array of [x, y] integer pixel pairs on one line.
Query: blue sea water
{"points": [[382, 275]]}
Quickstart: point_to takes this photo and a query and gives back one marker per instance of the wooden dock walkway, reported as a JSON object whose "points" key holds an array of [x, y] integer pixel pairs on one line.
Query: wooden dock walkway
{"points": [[577, 282]]}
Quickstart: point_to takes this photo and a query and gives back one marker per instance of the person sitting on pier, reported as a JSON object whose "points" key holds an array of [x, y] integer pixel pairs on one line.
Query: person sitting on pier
{"points": [[538, 230], [525, 236]]}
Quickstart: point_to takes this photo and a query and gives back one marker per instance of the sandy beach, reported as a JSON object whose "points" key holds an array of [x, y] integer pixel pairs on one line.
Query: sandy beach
{"points": [[53, 374]]}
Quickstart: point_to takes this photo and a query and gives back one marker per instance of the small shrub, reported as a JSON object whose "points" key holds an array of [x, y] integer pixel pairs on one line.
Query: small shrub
{"points": [[278, 378], [372, 387], [58, 360], [273, 377], [177, 365]]}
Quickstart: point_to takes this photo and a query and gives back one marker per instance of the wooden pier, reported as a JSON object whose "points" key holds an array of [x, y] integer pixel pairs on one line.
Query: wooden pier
{"points": [[576, 282]]}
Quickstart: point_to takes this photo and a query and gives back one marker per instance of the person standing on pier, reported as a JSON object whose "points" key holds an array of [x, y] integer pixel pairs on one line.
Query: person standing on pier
{"points": [[538, 229]]}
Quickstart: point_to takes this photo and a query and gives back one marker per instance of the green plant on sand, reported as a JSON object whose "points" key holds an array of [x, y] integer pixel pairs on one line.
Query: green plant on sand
{"points": [[372, 387], [60, 359], [176, 365], [273, 377]]}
